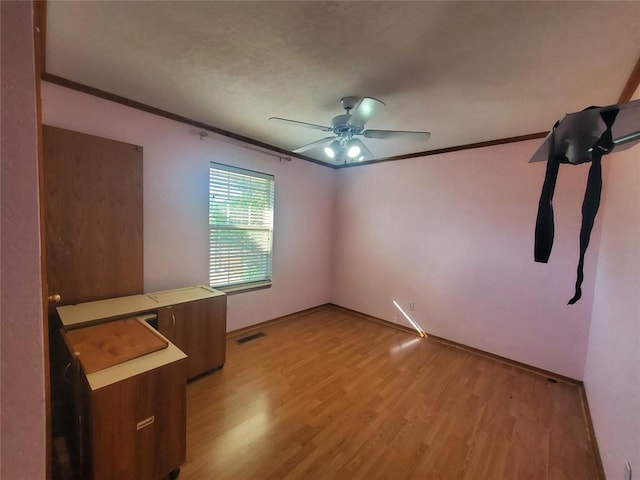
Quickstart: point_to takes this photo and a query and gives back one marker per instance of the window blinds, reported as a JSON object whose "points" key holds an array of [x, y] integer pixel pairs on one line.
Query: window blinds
{"points": [[240, 226]]}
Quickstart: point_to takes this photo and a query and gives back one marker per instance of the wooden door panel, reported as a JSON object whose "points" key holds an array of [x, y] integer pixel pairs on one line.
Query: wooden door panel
{"points": [[191, 329], [93, 216], [201, 330], [218, 331], [139, 425], [166, 324], [170, 327]]}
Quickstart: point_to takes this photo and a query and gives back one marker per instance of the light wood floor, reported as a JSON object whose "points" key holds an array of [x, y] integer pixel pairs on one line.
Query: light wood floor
{"points": [[330, 395]]}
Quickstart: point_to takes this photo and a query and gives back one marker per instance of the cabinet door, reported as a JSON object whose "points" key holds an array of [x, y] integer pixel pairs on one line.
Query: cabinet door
{"points": [[202, 326], [170, 327], [139, 425]]}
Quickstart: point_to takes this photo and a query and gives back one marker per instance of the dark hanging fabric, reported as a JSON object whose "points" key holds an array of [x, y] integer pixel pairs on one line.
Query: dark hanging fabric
{"points": [[590, 206], [544, 223]]}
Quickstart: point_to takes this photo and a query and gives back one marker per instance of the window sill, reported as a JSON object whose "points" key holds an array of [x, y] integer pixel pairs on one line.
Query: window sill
{"points": [[248, 287]]}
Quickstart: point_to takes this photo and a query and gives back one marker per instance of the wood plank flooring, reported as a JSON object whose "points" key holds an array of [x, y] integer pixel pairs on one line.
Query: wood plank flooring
{"points": [[329, 395]]}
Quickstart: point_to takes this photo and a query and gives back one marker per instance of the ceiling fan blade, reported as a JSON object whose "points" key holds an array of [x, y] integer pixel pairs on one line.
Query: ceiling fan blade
{"points": [[364, 111], [386, 134], [302, 124], [317, 143]]}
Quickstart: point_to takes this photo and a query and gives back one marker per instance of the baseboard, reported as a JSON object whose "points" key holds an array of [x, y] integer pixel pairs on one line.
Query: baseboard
{"points": [[366, 316], [595, 451], [257, 326], [509, 361], [467, 348]]}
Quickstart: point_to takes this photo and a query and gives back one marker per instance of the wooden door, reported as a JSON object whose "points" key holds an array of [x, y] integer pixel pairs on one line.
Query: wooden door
{"points": [[91, 191], [93, 216]]}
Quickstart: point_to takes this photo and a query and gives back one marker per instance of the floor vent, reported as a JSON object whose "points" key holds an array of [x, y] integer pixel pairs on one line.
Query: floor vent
{"points": [[248, 338]]}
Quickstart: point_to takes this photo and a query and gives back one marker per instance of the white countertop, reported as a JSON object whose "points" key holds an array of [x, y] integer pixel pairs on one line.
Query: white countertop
{"points": [[82, 314]]}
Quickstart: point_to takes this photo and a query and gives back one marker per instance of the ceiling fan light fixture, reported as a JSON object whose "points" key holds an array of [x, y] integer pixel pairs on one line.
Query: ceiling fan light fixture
{"points": [[328, 151], [354, 151], [353, 148], [343, 146], [332, 149]]}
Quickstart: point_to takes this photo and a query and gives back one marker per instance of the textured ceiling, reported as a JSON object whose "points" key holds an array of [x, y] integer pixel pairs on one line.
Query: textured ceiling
{"points": [[465, 71]]}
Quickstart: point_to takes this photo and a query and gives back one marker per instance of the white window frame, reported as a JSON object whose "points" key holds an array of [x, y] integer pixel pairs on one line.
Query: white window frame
{"points": [[241, 239]]}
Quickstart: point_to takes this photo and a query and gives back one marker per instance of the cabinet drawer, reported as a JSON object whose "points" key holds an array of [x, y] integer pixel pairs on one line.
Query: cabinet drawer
{"points": [[138, 425]]}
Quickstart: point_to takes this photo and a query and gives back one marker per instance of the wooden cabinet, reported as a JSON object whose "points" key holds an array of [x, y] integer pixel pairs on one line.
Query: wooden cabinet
{"points": [[192, 318], [130, 417], [198, 328], [129, 420]]}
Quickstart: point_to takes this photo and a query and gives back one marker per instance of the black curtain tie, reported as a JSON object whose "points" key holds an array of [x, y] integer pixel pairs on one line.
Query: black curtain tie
{"points": [[544, 223]]}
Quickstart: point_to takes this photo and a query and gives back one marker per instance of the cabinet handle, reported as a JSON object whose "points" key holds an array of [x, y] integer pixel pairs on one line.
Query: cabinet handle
{"points": [[173, 317], [65, 374], [146, 422]]}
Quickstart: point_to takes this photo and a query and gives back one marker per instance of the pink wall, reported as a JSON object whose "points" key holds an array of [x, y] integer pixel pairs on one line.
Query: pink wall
{"points": [[22, 421], [612, 368], [453, 233], [176, 175]]}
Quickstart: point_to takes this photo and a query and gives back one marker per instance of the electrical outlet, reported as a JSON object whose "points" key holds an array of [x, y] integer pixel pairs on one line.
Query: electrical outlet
{"points": [[627, 471], [411, 306]]}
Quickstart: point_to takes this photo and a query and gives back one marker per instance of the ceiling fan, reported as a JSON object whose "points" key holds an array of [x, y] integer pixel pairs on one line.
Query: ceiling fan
{"points": [[343, 146]]}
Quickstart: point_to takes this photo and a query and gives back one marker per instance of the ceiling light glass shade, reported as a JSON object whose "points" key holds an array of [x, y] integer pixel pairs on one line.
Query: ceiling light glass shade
{"points": [[328, 151], [354, 151], [332, 150]]}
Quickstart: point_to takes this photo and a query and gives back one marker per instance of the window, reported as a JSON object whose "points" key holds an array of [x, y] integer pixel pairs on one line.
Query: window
{"points": [[240, 226]]}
